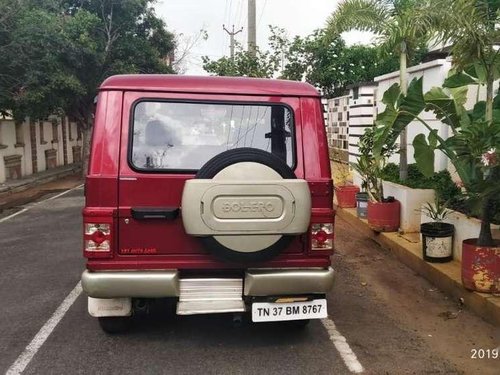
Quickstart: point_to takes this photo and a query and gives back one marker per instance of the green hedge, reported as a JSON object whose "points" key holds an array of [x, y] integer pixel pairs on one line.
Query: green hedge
{"points": [[441, 182]]}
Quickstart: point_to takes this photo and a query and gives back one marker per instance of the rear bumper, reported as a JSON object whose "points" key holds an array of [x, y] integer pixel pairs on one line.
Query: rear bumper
{"points": [[145, 284], [273, 282], [159, 284]]}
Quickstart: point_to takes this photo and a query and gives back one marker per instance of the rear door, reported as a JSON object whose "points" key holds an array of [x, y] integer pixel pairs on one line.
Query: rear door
{"points": [[166, 138]]}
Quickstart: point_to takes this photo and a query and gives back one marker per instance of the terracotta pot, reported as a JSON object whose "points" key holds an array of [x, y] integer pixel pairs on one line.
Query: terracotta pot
{"points": [[384, 216], [346, 195], [481, 266]]}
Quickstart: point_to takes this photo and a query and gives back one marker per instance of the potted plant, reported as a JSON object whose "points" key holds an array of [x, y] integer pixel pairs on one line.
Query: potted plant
{"points": [[481, 256], [362, 167], [437, 237], [473, 150], [345, 191], [383, 213], [346, 195]]}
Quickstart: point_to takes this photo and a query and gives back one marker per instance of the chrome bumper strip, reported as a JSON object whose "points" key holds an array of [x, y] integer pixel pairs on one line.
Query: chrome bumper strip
{"points": [[274, 282], [159, 284], [145, 284]]}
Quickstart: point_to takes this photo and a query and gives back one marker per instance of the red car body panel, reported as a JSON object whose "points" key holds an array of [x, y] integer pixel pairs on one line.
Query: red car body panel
{"points": [[113, 187], [209, 85]]}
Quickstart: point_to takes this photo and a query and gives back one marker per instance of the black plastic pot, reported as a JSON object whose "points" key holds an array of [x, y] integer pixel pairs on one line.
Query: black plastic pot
{"points": [[362, 204], [437, 242]]}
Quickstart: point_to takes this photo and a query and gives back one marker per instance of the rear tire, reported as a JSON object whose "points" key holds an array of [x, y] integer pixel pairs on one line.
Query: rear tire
{"points": [[115, 324]]}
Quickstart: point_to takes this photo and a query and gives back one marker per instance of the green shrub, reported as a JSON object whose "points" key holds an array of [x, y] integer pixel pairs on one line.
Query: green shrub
{"points": [[391, 172], [446, 189], [441, 182]]}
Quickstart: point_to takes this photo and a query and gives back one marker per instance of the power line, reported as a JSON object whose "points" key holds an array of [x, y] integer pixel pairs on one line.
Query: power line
{"points": [[225, 12], [223, 49], [261, 13], [230, 11], [240, 12]]}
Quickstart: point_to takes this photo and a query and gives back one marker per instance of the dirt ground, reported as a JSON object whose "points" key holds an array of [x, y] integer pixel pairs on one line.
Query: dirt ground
{"points": [[440, 327]]}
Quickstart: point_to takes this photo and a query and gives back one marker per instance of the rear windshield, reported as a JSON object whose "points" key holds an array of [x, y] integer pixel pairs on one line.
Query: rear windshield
{"points": [[184, 136]]}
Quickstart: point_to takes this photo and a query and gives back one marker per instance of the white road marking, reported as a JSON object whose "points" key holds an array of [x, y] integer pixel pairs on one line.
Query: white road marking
{"points": [[13, 215], [345, 351], [37, 203], [29, 352], [61, 194]]}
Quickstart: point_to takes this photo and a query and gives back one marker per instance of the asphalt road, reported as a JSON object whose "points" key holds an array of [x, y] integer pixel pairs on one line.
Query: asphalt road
{"points": [[393, 321]]}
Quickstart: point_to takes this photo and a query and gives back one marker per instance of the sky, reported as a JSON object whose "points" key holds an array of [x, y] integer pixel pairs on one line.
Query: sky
{"points": [[297, 17]]}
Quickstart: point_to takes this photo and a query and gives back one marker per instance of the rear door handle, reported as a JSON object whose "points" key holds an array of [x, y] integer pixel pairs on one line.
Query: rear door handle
{"points": [[148, 213]]}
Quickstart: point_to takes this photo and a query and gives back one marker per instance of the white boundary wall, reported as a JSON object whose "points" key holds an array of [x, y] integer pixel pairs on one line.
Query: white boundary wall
{"points": [[434, 74], [12, 144]]}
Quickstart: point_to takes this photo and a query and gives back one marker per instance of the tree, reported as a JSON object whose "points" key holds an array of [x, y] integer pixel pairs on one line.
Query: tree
{"points": [[111, 37], [325, 63], [261, 64], [402, 26], [183, 47], [331, 66], [471, 27], [55, 53], [34, 80], [9, 11]]}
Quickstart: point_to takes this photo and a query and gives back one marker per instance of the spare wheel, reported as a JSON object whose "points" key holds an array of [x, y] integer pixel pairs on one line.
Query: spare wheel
{"points": [[246, 205]]}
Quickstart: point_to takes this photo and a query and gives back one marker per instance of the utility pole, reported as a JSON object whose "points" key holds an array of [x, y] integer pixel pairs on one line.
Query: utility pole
{"points": [[231, 35], [252, 27]]}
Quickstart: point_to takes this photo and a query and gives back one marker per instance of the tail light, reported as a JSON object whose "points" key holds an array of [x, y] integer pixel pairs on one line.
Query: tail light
{"points": [[97, 236], [322, 236]]}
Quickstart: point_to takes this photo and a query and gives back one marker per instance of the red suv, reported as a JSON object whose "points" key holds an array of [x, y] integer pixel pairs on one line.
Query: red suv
{"points": [[215, 192]]}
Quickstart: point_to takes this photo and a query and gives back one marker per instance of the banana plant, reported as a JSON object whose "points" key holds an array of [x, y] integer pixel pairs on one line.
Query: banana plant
{"points": [[473, 147]]}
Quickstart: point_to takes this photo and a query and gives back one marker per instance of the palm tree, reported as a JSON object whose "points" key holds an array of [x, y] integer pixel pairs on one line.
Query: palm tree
{"points": [[401, 27], [471, 28]]}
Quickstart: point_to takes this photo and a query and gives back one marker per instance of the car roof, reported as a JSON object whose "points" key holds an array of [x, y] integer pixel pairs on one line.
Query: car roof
{"points": [[207, 84]]}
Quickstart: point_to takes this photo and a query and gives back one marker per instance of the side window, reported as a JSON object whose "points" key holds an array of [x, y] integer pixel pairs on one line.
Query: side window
{"points": [[183, 136]]}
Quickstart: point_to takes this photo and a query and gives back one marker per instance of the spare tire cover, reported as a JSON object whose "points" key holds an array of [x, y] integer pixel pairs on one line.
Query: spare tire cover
{"points": [[241, 164]]}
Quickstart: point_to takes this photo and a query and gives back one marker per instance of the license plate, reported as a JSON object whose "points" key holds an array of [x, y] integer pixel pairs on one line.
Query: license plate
{"points": [[270, 312]]}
